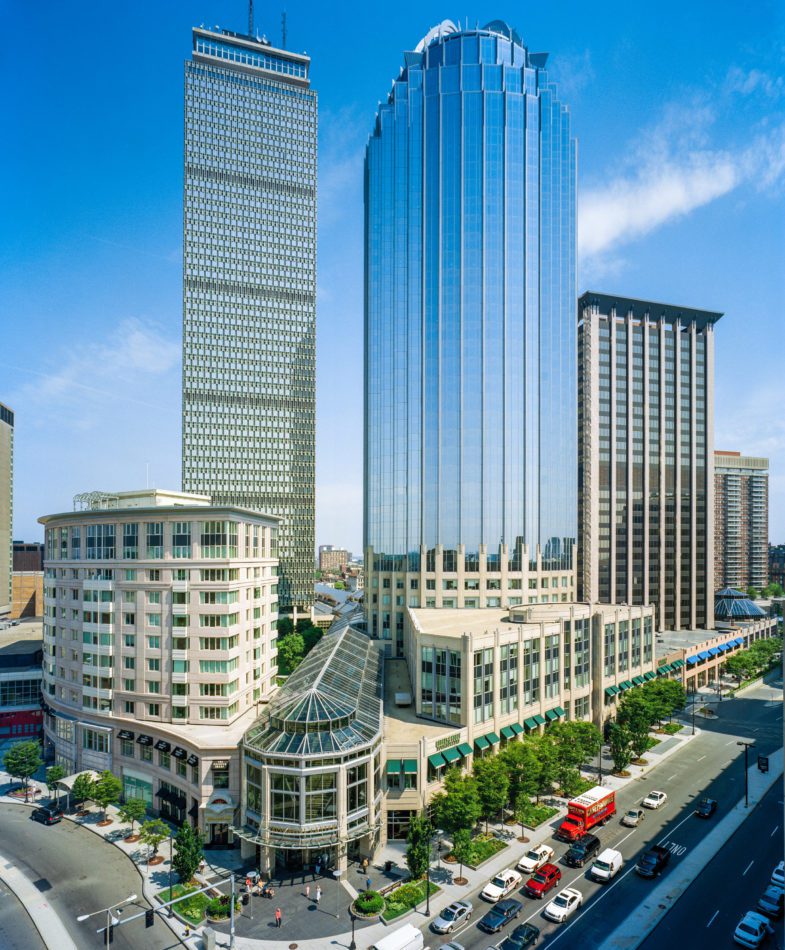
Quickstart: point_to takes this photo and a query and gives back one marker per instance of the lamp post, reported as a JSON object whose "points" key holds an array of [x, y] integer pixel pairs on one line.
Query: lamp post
{"points": [[337, 876], [353, 918], [747, 747], [428, 890], [110, 920], [171, 855], [599, 770], [694, 694]]}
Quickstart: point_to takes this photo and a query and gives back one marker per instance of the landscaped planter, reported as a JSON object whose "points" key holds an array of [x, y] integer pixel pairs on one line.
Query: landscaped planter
{"points": [[371, 905], [413, 896]]}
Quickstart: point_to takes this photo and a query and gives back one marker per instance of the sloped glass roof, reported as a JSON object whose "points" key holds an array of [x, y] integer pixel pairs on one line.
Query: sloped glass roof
{"points": [[331, 703], [730, 604]]}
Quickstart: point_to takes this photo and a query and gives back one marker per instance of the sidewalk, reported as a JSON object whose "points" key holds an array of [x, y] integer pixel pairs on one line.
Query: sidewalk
{"points": [[44, 918]]}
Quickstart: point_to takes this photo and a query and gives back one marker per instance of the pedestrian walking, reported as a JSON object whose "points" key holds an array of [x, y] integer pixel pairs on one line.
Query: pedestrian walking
{"points": [[277, 916], [316, 869], [367, 884], [307, 892], [318, 895]]}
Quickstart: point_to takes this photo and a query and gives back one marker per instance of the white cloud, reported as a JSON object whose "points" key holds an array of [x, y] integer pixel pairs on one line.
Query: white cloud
{"points": [[752, 81]]}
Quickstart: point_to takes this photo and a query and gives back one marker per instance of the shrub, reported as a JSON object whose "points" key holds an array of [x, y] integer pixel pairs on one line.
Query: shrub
{"points": [[369, 902], [218, 907]]}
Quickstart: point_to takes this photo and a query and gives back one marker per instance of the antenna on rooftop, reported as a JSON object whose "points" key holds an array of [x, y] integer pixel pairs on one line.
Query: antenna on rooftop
{"points": [[283, 30], [250, 17]]}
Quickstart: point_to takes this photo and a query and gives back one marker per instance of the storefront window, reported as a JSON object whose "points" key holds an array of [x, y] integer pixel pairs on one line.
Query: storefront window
{"points": [[285, 796], [357, 787], [320, 799]]}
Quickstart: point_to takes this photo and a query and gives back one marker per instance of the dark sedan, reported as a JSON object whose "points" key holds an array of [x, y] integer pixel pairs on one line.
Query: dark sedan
{"points": [[500, 915], [523, 937], [706, 808], [48, 814]]}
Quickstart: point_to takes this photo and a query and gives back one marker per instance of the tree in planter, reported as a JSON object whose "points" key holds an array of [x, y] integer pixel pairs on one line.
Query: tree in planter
{"points": [[153, 833], [521, 805], [458, 806], [493, 785], [462, 847], [546, 758], [132, 811], [189, 852], [638, 727], [22, 761], [418, 851], [665, 698], [54, 774], [107, 791], [83, 788], [619, 745], [740, 665], [520, 760]]}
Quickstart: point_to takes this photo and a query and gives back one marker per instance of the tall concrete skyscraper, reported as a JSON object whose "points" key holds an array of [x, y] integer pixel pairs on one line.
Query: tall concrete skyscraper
{"points": [[6, 506], [646, 473], [249, 289], [741, 521], [470, 369]]}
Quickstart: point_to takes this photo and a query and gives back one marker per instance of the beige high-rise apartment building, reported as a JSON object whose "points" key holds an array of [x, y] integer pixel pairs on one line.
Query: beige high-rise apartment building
{"points": [[741, 521], [6, 505], [646, 457], [159, 632]]}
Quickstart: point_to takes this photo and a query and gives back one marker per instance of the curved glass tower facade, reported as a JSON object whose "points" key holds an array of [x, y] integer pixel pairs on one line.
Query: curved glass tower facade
{"points": [[470, 359]]}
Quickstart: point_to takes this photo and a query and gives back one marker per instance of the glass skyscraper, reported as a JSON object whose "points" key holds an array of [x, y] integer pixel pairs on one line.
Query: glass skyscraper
{"points": [[470, 341], [249, 289]]}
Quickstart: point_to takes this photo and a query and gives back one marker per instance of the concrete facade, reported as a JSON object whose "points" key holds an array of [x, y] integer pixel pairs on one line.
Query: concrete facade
{"points": [[6, 506], [27, 594], [741, 521]]}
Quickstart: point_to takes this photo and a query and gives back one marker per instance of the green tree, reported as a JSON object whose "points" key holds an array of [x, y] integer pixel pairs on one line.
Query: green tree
{"points": [[773, 590], [189, 845], [339, 585], [291, 651], [752, 593], [418, 850], [53, 775], [666, 697], [741, 665], [303, 624], [107, 791], [153, 833], [520, 809], [493, 785], [83, 788], [311, 636], [22, 761], [522, 764], [545, 751], [462, 846], [284, 626], [619, 745], [132, 811], [458, 806]]}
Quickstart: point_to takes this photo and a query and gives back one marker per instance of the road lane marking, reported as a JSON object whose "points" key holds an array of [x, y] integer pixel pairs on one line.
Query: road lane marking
{"points": [[701, 758], [776, 829], [672, 777], [712, 918], [748, 867]]}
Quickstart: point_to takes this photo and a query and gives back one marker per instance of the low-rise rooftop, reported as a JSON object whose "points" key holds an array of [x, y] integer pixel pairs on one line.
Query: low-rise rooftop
{"points": [[401, 724]]}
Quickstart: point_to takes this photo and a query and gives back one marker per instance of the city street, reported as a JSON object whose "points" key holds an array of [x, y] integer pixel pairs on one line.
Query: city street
{"points": [[17, 931], [79, 873], [712, 764]]}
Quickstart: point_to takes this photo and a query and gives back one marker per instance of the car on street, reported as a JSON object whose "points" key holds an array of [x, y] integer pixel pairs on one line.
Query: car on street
{"points": [[452, 916], [535, 858], [653, 862], [753, 929], [523, 937], [564, 905], [500, 886], [452, 945], [582, 850], [543, 880], [633, 817], [48, 814], [500, 915], [706, 808], [654, 799], [778, 874], [771, 901]]}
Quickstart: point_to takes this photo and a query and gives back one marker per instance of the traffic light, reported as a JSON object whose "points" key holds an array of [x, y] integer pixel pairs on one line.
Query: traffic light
{"points": [[149, 918], [763, 763]]}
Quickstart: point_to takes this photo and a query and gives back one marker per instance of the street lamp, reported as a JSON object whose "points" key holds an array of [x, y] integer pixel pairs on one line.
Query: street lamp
{"points": [[428, 889], [747, 747], [171, 855], [694, 695], [110, 920], [337, 876], [353, 918]]}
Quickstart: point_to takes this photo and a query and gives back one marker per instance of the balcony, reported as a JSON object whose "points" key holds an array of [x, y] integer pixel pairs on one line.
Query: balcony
{"points": [[98, 585], [179, 677], [181, 586], [179, 610], [179, 654], [179, 700]]}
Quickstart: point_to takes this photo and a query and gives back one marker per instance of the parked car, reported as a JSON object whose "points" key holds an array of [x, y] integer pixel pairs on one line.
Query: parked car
{"points": [[48, 814], [778, 874], [500, 886], [772, 901], [564, 905], [452, 916], [582, 850], [452, 945], [633, 817], [706, 808], [523, 937], [654, 800], [543, 880], [500, 915], [653, 862], [753, 929], [535, 858], [607, 865]]}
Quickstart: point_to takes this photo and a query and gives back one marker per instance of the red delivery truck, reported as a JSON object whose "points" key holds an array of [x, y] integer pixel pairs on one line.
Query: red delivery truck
{"points": [[594, 807]]}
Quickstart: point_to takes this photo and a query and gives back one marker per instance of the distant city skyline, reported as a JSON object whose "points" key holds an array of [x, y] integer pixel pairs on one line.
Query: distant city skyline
{"points": [[680, 198]]}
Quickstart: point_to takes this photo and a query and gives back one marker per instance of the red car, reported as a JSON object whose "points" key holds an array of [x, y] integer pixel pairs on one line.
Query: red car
{"points": [[543, 880]]}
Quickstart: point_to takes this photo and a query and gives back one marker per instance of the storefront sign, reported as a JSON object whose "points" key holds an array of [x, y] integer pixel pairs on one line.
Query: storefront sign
{"points": [[144, 740], [125, 734], [179, 753], [163, 746]]}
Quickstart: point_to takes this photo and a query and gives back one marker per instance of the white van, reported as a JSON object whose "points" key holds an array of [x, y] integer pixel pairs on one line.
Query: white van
{"points": [[607, 865], [407, 937]]}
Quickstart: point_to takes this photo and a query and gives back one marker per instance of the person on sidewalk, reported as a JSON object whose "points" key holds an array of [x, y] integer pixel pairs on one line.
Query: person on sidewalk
{"points": [[316, 869], [307, 892], [318, 894], [278, 917], [367, 884]]}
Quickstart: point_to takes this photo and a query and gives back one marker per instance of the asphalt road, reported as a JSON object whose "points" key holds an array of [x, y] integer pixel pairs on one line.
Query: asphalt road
{"points": [[712, 764], [16, 929], [729, 885], [79, 874]]}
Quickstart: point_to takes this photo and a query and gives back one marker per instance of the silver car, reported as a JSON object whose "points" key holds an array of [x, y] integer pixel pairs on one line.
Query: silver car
{"points": [[633, 817], [453, 916]]}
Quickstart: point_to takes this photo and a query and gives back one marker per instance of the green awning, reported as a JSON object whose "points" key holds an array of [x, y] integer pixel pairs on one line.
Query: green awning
{"points": [[465, 749], [481, 742], [492, 738], [677, 664], [517, 728], [552, 715], [637, 680], [611, 691], [393, 766], [451, 755], [437, 760], [540, 720], [507, 732], [648, 676], [663, 670], [625, 685], [559, 711], [410, 766], [530, 723]]}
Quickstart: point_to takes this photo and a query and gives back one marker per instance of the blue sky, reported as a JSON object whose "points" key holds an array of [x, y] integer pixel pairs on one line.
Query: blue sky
{"points": [[678, 109]]}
